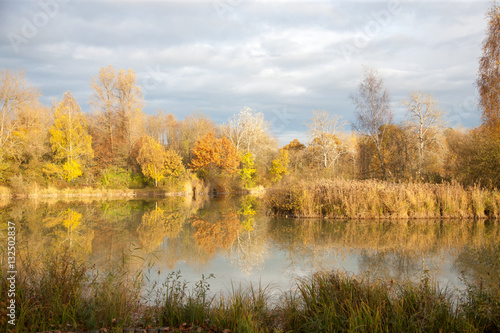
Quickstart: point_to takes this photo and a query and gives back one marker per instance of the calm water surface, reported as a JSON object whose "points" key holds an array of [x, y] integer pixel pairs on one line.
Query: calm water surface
{"points": [[233, 238]]}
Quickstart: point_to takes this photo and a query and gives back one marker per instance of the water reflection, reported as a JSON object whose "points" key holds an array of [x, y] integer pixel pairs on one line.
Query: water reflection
{"points": [[233, 238]]}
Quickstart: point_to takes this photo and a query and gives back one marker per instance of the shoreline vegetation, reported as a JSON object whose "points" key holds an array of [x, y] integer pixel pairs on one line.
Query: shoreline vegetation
{"points": [[373, 199], [325, 198], [89, 192], [57, 292], [189, 189]]}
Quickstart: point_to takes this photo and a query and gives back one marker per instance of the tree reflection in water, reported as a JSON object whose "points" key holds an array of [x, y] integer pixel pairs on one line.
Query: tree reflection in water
{"points": [[236, 233]]}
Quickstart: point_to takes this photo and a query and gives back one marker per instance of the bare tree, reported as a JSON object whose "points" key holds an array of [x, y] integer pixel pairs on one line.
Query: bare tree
{"points": [[425, 121], [373, 111], [324, 136], [249, 132]]}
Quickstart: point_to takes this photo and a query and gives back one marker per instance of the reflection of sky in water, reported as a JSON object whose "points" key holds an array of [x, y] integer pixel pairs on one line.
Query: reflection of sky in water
{"points": [[280, 269]]}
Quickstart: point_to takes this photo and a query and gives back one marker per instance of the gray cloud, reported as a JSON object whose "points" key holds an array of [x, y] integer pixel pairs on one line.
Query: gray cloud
{"points": [[218, 56]]}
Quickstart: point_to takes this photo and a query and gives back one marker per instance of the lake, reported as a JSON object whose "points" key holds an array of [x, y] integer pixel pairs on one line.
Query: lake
{"points": [[233, 238]]}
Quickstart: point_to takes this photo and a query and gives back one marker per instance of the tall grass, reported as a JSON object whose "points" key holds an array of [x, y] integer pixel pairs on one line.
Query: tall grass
{"points": [[59, 292], [371, 199], [333, 302]]}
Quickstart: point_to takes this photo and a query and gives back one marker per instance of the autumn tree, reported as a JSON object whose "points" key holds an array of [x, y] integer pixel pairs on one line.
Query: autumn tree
{"points": [[191, 130], [103, 102], [69, 139], [296, 154], [130, 117], [31, 133], [488, 81], [15, 96], [399, 151], [247, 172], [163, 128], [173, 164], [211, 153], [324, 137], [30, 143], [473, 157], [279, 166], [118, 118], [373, 110], [151, 157]]}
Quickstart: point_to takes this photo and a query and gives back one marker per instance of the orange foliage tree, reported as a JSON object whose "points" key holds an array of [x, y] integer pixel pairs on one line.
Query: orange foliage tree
{"points": [[212, 153]]}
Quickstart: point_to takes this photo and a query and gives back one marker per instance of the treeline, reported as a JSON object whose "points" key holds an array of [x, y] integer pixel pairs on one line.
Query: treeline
{"points": [[117, 145]]}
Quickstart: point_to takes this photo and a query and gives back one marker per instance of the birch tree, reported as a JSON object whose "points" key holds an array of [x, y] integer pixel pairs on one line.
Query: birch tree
{"points": [[324, 137], [70, 140], [249, 132], [425, 121], [373, 110]]}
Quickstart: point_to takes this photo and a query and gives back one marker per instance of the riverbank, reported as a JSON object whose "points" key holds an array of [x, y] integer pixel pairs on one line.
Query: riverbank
{"points": [[59, 292], [372, 199], [188, 188]]}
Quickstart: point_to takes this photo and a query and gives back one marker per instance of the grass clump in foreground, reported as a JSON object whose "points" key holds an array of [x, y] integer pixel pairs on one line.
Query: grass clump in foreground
{"points": [[63, 293], [57, 291], [338, 302], [372, 199]]}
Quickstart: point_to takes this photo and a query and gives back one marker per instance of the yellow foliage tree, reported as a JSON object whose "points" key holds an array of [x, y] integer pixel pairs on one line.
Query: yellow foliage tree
{"points": [[151, 158], [173, 163], [70, 140], [279, 166]]}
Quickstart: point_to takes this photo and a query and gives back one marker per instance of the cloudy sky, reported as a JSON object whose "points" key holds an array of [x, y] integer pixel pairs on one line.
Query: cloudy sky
{"points": [[282, 58]]}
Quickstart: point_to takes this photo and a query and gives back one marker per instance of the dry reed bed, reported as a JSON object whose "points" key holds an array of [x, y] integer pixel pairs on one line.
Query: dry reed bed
{"points": [[372, 199]]}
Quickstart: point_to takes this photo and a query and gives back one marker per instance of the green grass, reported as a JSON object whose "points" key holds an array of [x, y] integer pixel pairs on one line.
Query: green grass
{"points": [[59, 292]]}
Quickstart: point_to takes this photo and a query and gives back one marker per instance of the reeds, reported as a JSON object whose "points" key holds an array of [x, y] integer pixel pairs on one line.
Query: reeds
{"points": [[371, 199]]}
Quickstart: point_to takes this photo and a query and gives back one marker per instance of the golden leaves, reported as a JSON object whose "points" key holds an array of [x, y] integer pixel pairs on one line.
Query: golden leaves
{"points": [[70, 140], [156, 162]]}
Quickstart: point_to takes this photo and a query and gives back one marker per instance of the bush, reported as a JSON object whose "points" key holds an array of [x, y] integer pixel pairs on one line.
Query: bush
{"points": [[114, 177]]}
